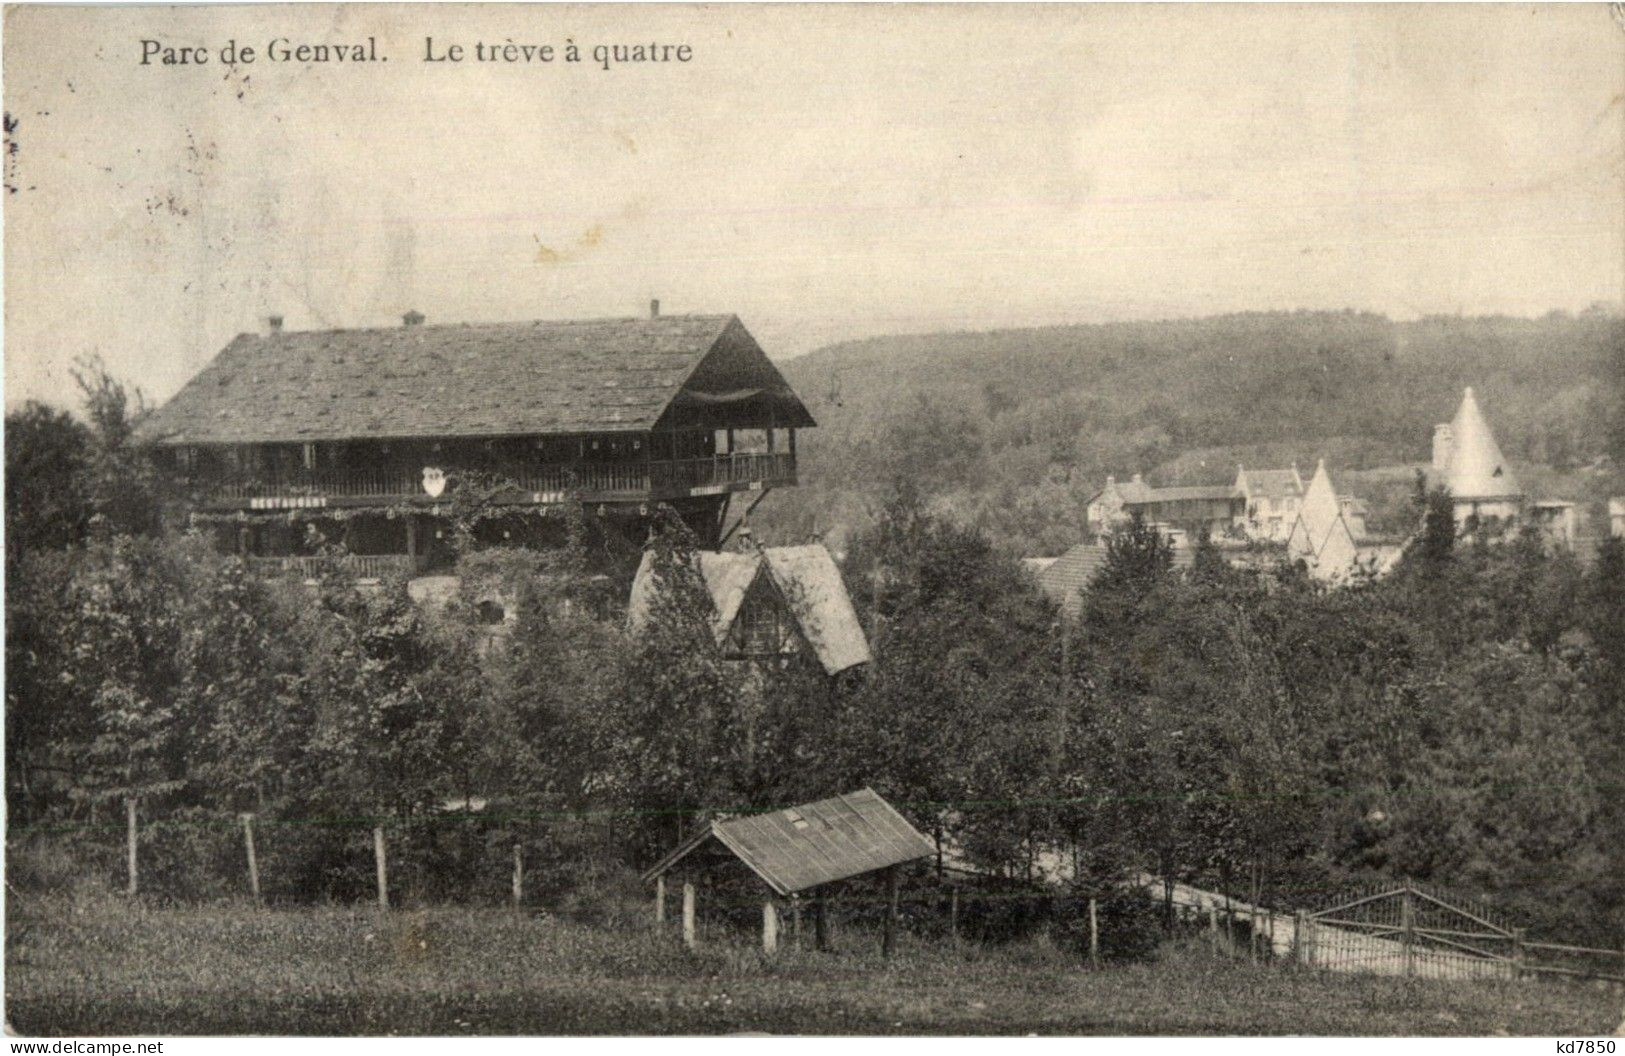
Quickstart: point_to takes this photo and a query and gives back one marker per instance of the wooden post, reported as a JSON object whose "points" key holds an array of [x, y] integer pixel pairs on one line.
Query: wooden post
{"points": [[1517, 952], [688, 914], [383, 866], [1407, 923], [953, 914], [253, 863], [795, 922], [660, 900], [770, 927], [887, 934], [1213, 921], [1094, 936], [129, 842], [820, 928], [518, 875], [1300, 938]]}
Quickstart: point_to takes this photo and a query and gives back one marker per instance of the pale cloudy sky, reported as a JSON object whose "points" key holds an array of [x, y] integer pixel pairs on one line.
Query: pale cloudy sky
{"points": [[822, 172]]}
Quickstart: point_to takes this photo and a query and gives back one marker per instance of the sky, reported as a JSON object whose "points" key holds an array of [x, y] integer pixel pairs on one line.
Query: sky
{"points": [[823, 172]]}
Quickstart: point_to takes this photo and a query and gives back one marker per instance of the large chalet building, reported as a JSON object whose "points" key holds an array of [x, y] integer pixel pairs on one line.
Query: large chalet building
{"points": [[367, 435]]}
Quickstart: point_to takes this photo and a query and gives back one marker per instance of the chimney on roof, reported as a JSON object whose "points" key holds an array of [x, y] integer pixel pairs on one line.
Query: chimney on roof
{"points": [[274, 324], [412, 318], [654, 308]]}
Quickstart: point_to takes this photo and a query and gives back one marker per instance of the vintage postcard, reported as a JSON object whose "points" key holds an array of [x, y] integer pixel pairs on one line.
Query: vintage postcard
{"points": [[551, 519]]}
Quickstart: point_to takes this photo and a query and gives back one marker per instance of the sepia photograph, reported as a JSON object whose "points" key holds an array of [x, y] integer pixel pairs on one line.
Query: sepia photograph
{"points": [[925, 520]]}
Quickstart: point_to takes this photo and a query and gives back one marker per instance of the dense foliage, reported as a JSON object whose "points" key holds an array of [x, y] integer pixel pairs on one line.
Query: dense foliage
{"points": [[1460, 721]]}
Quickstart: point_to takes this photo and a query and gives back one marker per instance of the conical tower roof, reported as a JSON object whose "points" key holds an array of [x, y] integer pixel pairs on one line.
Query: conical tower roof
{"points": [[1477, 469]]}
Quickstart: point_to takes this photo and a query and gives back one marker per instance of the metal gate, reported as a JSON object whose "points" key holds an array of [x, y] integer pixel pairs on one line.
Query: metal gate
{"points": [[1409, 931]]}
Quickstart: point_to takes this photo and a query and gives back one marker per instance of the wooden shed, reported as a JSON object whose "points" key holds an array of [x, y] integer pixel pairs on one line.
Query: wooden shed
{"points": [[798, 850]]}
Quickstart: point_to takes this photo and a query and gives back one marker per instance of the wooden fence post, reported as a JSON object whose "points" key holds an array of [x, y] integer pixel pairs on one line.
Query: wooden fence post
{"points": [[518, 875], [660, 899], [688, 914], [953, 914], [770, 926], [1517, 952], [1407, 923], [129, 842], [1094, 936], [253, 863], [1302, 939], [383, 866]]}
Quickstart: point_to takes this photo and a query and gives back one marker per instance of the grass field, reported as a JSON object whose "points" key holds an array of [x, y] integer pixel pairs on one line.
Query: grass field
{"points": [[100, 966]]}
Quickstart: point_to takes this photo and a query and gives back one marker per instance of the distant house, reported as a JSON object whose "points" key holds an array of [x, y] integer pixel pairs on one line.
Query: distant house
{"points": [[1064, 579], [1197, 511], [769, 604], [1271, 499], [1556, 520]]}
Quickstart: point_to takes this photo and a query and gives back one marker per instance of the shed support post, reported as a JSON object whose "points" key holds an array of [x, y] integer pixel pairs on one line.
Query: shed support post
{"points": [[688, 914], [888, 934], [660, 900], [518, 876], [795, 922], [770, 926], [820, 927]]}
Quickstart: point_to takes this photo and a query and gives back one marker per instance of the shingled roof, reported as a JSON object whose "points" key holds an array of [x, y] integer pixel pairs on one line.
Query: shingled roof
{"points": [[802, 847], [1065, 578], [471, 380]]}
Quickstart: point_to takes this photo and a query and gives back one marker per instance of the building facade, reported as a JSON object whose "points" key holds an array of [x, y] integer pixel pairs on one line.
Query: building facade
{"points": [[288, 442]]}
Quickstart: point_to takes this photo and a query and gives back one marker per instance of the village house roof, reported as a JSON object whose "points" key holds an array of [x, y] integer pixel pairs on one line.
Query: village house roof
{"points": [[1068, 576], [805, 577], [805, 846], [472, 380], [1272, 484]]}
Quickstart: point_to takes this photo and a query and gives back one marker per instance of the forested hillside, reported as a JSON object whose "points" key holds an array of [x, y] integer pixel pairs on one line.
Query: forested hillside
{"points": [[1014, 429]]}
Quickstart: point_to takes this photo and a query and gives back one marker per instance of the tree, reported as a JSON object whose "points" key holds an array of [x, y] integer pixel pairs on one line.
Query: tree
{"points": [[48, 504]]}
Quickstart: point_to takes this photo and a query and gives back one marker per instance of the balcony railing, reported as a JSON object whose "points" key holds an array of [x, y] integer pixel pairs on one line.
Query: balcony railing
{"points": [[362, 566], [587, 478]]}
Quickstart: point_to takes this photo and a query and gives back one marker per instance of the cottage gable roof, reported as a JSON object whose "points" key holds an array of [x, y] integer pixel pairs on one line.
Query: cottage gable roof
{"points": [[470, 380], [1320, 535], [811, 844], [1476, 468], [805, 577]]}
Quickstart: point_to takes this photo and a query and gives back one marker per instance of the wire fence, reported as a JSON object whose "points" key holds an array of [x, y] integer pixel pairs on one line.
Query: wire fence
{"points": [[565, 860]]}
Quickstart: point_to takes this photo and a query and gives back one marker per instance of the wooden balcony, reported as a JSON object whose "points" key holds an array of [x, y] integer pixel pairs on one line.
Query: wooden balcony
{"points": [[362, 566], [536, 482]]}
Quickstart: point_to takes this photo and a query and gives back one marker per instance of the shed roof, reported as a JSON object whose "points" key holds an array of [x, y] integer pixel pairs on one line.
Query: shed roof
{"points": [[470, 380], [802, 847]]}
